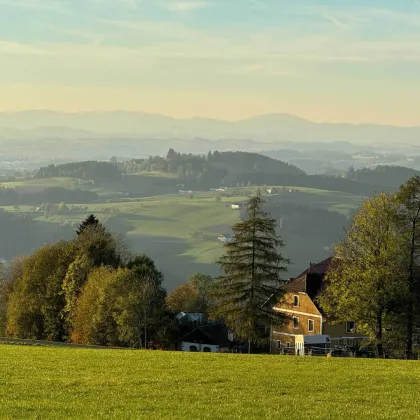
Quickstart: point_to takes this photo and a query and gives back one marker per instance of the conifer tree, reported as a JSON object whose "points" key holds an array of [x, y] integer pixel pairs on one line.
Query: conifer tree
{"points": [[89, 221], [244, 296]]}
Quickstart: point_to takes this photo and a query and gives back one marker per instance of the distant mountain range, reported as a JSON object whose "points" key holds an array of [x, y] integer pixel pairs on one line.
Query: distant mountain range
{"points": [[270, 128]]}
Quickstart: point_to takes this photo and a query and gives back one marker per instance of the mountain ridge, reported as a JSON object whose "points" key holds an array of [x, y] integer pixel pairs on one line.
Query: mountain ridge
{"points": [[264, 127]]}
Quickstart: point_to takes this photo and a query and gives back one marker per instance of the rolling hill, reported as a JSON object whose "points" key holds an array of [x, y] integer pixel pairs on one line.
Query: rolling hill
{"points": [[278, 127]]}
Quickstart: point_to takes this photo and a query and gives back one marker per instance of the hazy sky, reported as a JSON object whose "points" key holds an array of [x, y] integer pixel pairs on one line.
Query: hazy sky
{"points": [[331, 60]]}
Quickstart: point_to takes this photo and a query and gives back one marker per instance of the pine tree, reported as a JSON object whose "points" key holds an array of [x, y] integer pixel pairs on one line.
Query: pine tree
{"points": [[244, 295]]}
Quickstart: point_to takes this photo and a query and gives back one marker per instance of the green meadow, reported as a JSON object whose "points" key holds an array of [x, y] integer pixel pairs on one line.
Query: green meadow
{"points": [[178, 231], [53, 383]]}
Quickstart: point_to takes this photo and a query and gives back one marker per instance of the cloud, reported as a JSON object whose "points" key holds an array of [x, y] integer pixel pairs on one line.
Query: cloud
{"points": [[14, 48], [46, 5], [334, 20]]}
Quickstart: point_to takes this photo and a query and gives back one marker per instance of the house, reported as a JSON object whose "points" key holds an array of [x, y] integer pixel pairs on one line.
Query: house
{"points": [[305, 317], [225, 238], [86, 182], [212, 338]]}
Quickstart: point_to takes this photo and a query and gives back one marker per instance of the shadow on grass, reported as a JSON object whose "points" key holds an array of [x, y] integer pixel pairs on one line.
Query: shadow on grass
{"points": [[167, 254]]}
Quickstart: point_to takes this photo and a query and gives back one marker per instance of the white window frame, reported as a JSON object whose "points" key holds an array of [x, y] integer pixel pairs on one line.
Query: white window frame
{"points": [[278, 344], [294, 297], [313, 325], [288, 345], [297, 318], [350, 330]]}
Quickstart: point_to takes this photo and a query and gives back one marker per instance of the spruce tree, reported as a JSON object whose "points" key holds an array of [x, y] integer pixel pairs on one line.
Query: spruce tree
{"points": [[244, 296], [91, 220]]}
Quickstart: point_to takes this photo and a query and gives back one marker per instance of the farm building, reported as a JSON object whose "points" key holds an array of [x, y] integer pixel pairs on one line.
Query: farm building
{"points": [[210, 338], [305, 316]]}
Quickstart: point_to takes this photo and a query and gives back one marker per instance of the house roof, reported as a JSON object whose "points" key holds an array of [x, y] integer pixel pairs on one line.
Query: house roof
{"points": [[318, 268], [215, 334], [310, 280]]}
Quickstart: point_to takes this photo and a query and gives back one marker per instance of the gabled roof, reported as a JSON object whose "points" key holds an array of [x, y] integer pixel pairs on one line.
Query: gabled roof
{"points": [[310, 280], [318, 268], [215, 334]]}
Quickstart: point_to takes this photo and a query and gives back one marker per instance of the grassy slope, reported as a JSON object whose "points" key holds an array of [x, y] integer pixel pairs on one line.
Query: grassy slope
{"points": [[78, 383], [180, 233]]}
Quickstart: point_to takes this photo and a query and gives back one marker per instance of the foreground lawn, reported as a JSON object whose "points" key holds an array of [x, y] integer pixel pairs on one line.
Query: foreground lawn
{"points": [[41, 382]]}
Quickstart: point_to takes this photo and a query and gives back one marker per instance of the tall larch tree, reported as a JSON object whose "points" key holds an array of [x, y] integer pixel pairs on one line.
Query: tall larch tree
{"points": [[252, 265]]}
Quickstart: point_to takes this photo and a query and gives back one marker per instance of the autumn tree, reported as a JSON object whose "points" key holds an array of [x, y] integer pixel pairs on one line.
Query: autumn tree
{"points": [[194, 296], [120, 306], [36, 302], [183, 298], [252, 264], [202, 284], [147, 296], [93, 321], [364, 283]]}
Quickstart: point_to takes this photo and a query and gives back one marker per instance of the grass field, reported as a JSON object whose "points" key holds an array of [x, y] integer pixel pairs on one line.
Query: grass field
{"points": [[180, 233], [43, 383]]}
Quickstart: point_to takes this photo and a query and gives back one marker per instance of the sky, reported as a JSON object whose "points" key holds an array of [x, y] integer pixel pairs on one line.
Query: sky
{"points": [[334, 60]]}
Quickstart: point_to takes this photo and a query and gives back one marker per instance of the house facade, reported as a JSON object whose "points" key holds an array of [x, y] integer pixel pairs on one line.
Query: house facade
{"points": [[305, 318], [211, 338]]}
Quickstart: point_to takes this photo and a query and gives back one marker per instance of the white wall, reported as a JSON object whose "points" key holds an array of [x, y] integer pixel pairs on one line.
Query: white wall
{"points": [[185, 346]]}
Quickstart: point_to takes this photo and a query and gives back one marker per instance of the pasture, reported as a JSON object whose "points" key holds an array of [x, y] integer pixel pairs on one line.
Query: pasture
{"points": [[180, 232], [50, 383]]}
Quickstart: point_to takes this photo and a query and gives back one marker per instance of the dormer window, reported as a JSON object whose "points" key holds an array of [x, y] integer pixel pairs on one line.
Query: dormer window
{"points": [[295, 300]]}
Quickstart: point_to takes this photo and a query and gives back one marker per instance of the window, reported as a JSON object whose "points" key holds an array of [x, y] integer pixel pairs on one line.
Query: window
{"points": [[350, 327], [310, 325], [207, 349], [278, 344], [288, 344], [193, 348], [296, 300], [295, 322]]}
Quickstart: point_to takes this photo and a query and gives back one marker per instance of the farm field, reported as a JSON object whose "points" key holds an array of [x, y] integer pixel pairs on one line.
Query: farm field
{"points": [[181, 233], [47, 382]]}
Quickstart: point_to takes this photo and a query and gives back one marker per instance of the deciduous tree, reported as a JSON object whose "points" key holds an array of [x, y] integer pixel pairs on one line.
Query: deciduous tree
{"points": [[364, 283], [409, 224]]}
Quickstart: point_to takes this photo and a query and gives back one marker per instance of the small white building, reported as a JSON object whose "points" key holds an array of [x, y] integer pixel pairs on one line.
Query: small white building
{"points": [[212, 338]]}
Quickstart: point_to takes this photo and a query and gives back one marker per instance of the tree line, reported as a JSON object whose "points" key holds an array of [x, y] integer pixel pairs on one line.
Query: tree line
{"points": [[97, 171], [88, 290], [235, 169], [15, 196], [384, 175]]}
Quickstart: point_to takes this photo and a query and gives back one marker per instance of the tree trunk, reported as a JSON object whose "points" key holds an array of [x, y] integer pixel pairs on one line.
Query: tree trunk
{"points": [[145, 329], [379, 345], [409, 337], [249, 346], [410, 309]]}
